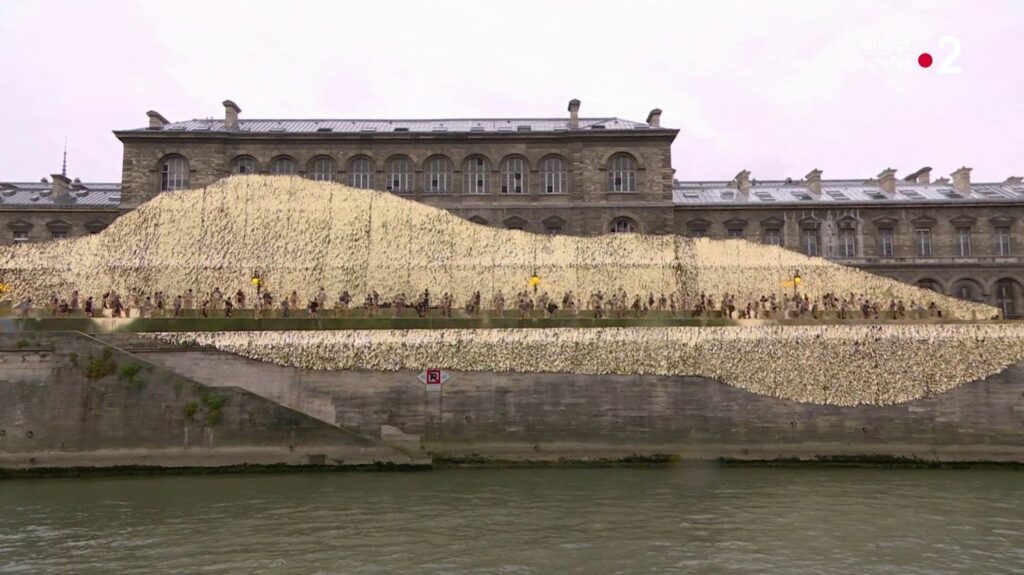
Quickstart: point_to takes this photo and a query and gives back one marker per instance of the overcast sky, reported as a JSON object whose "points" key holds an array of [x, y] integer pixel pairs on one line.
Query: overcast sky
{"points": [[777, 88]]}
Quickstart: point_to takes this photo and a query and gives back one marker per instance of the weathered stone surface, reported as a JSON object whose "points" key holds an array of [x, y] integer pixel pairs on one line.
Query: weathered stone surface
{"points": [[538, 416], [53, 415]]}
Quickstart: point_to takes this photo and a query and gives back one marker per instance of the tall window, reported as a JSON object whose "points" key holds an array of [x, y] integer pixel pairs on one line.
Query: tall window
{"points": [[735, 232], [622, 174], [439, 176], [847, 243], [809, 242], [963, 242], [283, 167], [174, 174], [243, 165], [20, 237], [885, 243], [58, 235], [1006, 297], [623, 226], [554, 176], [1003, 241], [923, 240], [323, 169], [773, 236], [398, 175], [360, 171], [513, 176], [476, 171]]}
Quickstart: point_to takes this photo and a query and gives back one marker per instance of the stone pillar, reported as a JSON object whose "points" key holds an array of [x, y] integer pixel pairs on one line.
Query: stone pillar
{"points": [[962, 180], [61, 185], [813, 181], [231, 111], [574, 114], [887, 181], [156, 121], [654, 118]]}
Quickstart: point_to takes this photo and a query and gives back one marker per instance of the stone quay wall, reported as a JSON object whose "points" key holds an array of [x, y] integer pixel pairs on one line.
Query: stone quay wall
{"points": [[513, 416], [68, 400]]}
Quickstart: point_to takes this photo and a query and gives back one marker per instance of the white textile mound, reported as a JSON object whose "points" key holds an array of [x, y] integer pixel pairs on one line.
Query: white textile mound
{"points": [[300, 235]]}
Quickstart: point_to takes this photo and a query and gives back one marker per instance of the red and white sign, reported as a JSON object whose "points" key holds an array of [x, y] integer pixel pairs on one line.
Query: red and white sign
{"points": [[433, 377]]}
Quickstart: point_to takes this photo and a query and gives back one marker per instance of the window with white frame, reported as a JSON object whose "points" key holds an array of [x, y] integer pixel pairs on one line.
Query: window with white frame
{"points": [[554, 176], [623, 226], [847, 243], [513, 176], [622, 173], [438, 178], [963, 242], [923, 241], [323, 169], [243, 165], [173, 174], [20, 236], [58, 235], [398, 175], [476, 171], [360, 172], [809, 241], [773, 236], [885, 243], [1006, 297], [283, 167], [1003, 241]]}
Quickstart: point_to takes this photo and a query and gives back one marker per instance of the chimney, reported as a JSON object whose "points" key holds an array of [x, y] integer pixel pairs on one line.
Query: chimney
{"points": [[156, 121], [922, 176], [61, 185], [962, 180], [743, 181], [887, 181], [814, 181], [574, 114], [231, 111], [654, 118]]}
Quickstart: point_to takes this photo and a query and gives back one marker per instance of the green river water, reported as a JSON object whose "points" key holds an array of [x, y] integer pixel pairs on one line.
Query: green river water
{"points": [[512, 521]]}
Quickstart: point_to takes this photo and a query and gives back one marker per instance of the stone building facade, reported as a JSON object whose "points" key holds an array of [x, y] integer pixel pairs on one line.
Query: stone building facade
{"points": [[574, 175], [565, 175]]}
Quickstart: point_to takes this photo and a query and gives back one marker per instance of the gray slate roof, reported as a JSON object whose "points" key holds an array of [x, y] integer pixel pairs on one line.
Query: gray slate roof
{"points": [[383, 126], [837, 192], [40, 194]]}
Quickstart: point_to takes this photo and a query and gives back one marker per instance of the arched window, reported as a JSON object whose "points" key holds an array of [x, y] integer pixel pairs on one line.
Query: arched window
{"points": [[323, 169], [622, 173], [283, 166], [438, 176], [554, 176], [243, 165], [476, 170], [360, 171], [514, 176], [930, 285], [966, 289], [399, 175], [1007, 293], [173, 174], [623, 226]]}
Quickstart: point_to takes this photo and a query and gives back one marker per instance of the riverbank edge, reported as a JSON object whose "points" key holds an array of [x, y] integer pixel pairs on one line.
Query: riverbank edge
{"points": [[479, 462]]}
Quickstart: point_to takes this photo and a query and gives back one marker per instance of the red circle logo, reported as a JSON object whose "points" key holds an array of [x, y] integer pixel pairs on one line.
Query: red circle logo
{"points": [[924, 60]]}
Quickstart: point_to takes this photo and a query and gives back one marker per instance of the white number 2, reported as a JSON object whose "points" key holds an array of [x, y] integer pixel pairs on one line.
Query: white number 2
{"points": [[947, 66]]}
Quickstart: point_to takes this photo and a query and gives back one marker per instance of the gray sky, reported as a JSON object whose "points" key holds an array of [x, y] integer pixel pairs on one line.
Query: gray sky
{"points": [[777, 87]]}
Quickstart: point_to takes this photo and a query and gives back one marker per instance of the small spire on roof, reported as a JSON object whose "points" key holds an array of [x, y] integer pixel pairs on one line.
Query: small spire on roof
{"points": [[64, 166]]}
